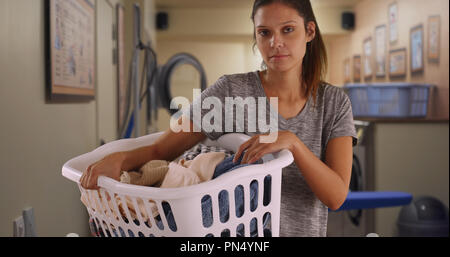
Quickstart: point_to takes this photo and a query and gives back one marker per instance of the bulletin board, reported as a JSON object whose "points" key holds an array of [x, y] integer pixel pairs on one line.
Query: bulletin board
{"points": [[71, 49]]}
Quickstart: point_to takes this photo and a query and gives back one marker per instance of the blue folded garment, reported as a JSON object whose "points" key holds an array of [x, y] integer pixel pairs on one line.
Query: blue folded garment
{"points": [[225, 166], [228, 165]]}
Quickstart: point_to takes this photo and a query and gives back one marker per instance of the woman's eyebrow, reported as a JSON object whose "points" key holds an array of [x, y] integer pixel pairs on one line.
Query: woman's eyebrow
{"points": [[283, 23]]}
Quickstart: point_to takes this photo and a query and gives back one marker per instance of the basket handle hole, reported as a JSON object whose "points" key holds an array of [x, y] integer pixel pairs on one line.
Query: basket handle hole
{"points": [[224, 209], [169, 216], [267, 224], [240, 230], [253, 195], [267, 190], [225, 233], [207, 212], [239, 200], [254, 227]]}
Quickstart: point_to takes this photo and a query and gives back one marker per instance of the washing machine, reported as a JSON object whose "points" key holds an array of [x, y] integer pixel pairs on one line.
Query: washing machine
{"points": [[356, 223]]}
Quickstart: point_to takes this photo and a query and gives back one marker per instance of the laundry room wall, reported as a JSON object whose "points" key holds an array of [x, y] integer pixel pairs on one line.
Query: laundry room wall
{"points": [[37, 136], [218, 57], [223, 46], [408, 155], [221, 37], [370, 14]]}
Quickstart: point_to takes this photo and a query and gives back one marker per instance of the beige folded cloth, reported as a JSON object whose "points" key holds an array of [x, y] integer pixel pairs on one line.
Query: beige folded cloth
{"points": [[166, 175], [150, 174], [179, 176], [186, 173], [204, 164]]}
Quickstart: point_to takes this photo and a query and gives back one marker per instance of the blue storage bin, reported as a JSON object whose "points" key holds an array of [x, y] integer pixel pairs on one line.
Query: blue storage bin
{"points": [[389, 100]]}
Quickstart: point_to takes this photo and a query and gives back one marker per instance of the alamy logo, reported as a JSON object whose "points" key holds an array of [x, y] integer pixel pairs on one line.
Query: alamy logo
{"points": [[213, 119]]}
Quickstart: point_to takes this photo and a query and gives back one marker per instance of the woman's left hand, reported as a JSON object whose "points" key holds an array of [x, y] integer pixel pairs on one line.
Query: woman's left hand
{"points": [[256, 149]]}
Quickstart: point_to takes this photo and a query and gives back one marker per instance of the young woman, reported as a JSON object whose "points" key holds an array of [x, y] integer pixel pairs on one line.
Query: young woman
{"points": [[315, 120]]}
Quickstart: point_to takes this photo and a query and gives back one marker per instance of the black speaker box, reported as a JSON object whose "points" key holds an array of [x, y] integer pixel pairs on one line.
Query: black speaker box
{"points": [[348, 20], [162, 21]]}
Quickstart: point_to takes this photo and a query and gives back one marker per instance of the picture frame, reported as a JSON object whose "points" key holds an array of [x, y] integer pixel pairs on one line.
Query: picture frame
{"points": [[367, 58], [70, 50], [122, 98], [416, 49], [393, 22], [434, 38], [357, 68], [380, 51], [347, 77], [397, 63]]}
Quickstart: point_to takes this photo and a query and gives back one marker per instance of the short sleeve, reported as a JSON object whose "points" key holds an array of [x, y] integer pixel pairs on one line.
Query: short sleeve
{"points": [[343, 124], [207, 112]]}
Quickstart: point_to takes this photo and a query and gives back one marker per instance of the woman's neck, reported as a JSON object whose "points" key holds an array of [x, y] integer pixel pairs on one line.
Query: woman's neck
{"points": [[285, 85]]}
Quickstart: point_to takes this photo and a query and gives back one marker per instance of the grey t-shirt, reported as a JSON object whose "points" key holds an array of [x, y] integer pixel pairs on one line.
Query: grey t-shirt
{"points": [[302, 213]]}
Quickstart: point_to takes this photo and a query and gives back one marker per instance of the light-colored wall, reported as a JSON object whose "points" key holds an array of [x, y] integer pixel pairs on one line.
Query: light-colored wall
{"points": [[413, 158], [36, 137], [217, 56], [370, 14], [410, 157], [223, 44], [235, 21]]}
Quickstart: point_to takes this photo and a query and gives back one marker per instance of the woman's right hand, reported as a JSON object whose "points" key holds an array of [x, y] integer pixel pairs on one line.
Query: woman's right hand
{"points": [[167, 147], [109, 166]]}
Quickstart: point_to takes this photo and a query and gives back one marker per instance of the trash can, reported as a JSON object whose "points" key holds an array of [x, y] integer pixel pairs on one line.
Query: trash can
{"points": [[425, 216]]}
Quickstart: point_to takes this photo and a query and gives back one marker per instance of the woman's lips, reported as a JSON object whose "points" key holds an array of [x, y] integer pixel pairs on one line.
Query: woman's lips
{"points": [[279, 57]]}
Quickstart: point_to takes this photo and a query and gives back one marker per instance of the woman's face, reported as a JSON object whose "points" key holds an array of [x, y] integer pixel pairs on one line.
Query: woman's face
{"points": [[281, 36]]}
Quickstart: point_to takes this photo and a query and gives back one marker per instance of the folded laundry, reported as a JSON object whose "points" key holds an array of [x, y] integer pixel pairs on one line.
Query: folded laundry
{"points": [[150, 174], [201, 148], [191, 172], [163, 174], [179, 176], [228, 165], [185, 172]]}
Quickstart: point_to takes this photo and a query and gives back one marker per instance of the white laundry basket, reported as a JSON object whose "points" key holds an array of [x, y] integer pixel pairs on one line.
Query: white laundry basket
{"points": [[185, 202]]}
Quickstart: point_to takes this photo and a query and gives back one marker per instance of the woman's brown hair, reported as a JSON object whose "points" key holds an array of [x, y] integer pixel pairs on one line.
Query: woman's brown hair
{"points": [[315, 61]]}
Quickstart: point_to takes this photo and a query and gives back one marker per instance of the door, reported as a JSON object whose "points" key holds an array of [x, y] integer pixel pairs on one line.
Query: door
{"points": [[106, 99]]}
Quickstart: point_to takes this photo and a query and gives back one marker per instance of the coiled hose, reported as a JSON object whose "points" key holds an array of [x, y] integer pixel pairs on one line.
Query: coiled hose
{"points": [[166, 73], [158, 84]]}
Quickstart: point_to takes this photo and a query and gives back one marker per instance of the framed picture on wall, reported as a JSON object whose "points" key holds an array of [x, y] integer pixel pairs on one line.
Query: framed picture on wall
{"points": [[357, 68], [347, 70], [393, 22], [367, 60], [434, 38], [380, 51], [397, 63], [416, 49], [70, 50], [121, 83]]}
